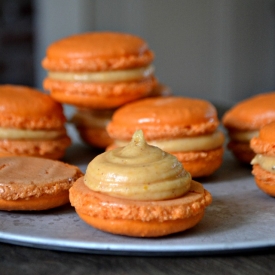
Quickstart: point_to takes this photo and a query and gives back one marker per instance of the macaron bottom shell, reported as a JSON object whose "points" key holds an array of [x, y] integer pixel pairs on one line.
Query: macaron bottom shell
{"points": [[136, 228], [139, 218], [99, 95], [264, 180], [44, 202]]}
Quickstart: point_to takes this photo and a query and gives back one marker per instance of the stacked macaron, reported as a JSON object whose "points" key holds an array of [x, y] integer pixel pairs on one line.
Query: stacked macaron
{"points": [[98, 72], [244, 120], [264, 161], [31, 123], [185, 127]]}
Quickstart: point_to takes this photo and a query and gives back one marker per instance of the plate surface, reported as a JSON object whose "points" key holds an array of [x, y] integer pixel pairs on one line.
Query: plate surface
{"points": [[240, 217]]}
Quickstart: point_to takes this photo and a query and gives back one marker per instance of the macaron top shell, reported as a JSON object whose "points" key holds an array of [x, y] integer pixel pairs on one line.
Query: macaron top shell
{"points": [[97, 51], [164, 117], [252, 113], [27, 108], [23, 177]]}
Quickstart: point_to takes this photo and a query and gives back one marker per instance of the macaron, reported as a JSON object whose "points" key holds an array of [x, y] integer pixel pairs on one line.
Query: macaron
{"points": [[31, 123], [32, 184], [139, 191], [264, 160], [244, 120], [91, 123], [99, 70], [185, 127]]}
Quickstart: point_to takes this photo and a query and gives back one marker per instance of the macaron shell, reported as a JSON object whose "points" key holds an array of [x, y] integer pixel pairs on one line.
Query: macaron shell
{"points": [[264, 180], [241, 150], [29, 183], [27, 108], [265, 142], [134, 228], [97, 51], [139, 218], [52, 149], [201, 164], [36, 204], [252, 113], [163, 117], [99, 95], [97, 137]]}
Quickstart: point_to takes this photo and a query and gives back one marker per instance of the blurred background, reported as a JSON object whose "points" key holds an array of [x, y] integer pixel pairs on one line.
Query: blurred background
{"points": [[219, 50]]}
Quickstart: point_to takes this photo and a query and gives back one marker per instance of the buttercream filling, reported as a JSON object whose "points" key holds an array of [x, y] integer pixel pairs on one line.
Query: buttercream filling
{"points": [[186, 144], [10, 133], [105, 76], [266, 162], [243, 136], [138, 171]]}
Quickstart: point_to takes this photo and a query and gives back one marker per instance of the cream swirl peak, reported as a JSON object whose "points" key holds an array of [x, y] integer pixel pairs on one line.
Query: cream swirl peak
{"points": [[138, 171]]}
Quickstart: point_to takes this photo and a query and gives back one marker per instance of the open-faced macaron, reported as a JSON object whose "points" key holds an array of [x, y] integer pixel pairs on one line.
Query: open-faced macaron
{"points": [[99, 70], [30, 183], [31, 123], [264, 160], [139, 190], [185, 127], [244, 120]]}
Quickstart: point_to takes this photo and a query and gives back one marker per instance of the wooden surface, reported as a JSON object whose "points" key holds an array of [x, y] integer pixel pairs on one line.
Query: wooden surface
{"points": [[24, 260]]}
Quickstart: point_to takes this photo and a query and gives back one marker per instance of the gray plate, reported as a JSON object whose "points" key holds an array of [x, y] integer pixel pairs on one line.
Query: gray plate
{"points": [[241, 217]]}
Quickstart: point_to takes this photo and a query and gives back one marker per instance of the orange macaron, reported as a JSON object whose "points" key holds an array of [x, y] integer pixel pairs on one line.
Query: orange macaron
{"points": [[185, 127], [244, 120], [264, 161], [99, 70], [30, 183], [91, 123], [31, 123], [140, 191]]}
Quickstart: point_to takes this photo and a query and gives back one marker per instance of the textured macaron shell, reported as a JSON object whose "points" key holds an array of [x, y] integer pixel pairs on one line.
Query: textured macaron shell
{"points": [[252, 113], [27, 177], [97, 51], [27, 108], [265, 142], [164, 117]]}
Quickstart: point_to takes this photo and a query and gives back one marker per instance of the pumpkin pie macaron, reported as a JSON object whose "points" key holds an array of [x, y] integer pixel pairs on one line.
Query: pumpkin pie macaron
{"points": [[99, 70], [182, 126], [264, 160], [32, 184], [91, 123], [244, 120], [140, 191], [31, 123]]}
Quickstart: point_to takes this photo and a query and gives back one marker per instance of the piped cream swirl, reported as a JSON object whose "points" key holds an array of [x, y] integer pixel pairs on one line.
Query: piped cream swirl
{"points": [[138, 171]]}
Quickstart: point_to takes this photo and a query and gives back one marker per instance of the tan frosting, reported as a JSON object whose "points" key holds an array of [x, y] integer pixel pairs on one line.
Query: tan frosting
{"points": [[266, 162], [138, 171], [11, 133], [108, 76], [243, 136], [186, 144]]}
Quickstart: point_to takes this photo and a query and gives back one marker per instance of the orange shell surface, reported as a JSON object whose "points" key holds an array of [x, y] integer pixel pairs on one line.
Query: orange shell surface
{"points": [[252, 113], [27, 108], [164, 117], [97, 51]]}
